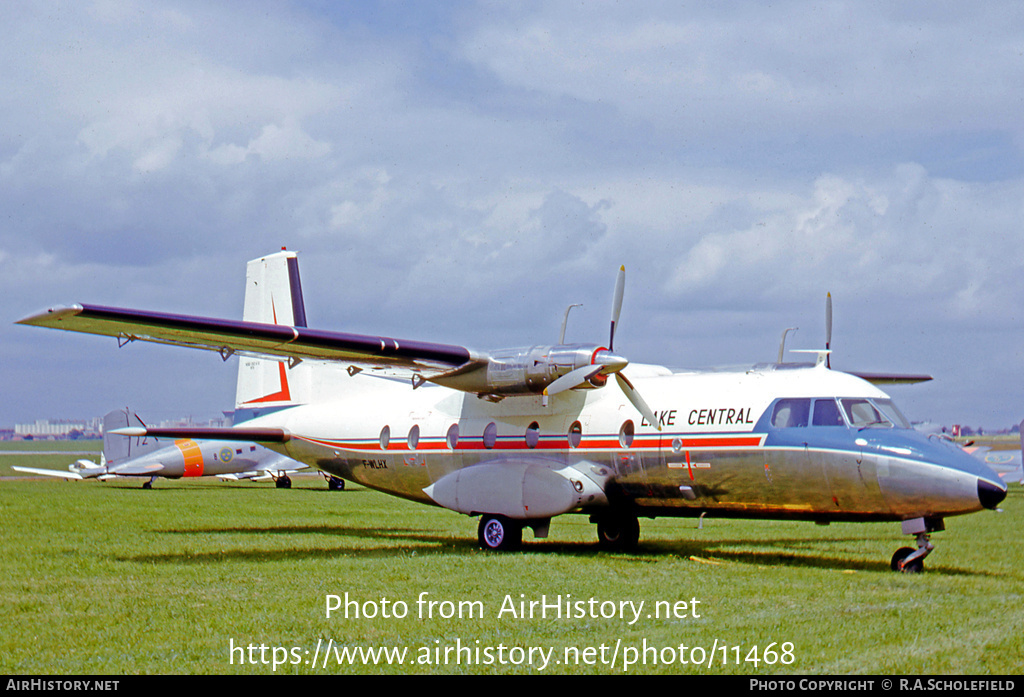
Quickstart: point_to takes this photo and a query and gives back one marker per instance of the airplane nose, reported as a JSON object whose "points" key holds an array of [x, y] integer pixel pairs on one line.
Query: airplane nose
{"points": [[990, 494]]}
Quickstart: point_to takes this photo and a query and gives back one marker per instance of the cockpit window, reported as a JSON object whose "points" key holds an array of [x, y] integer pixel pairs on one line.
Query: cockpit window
{"points": [[826, 413], [894, 414], [862, 413], [791, 413]]}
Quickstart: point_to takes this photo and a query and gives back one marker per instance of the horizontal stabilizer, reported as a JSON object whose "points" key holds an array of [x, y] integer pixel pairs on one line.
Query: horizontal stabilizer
{"points": [[256, 435], [66, 474]]}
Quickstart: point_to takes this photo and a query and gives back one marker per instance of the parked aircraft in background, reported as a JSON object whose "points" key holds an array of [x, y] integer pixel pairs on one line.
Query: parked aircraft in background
{"points": [[520, 436], [1006, 463], [151, 458]]}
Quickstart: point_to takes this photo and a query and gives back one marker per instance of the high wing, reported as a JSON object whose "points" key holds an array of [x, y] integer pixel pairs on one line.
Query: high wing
{"points": [[890, 378], [267, 470], [228, 337]]}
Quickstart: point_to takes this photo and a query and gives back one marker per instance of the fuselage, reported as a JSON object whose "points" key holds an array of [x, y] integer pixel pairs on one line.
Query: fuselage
{"points": [[771, 442]]}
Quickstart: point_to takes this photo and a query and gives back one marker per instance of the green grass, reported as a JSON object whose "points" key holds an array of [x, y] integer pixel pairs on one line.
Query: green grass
{"points": [[108, 578]]}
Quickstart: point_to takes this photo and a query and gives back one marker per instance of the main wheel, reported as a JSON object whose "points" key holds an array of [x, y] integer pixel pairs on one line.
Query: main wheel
{"points": [[498, 533], [914, 567], [618, 532], [283, 482], [336, 484]]}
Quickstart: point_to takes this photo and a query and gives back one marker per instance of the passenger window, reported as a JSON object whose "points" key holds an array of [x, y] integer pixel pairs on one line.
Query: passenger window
{"points": [[453, 436], [626, 434], [791, 413], [532, 435], [826, 413], [490, 435], [575, 434]]}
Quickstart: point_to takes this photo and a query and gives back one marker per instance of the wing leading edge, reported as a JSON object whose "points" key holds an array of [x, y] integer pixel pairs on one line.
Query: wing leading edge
{"points": [[228, 337]]}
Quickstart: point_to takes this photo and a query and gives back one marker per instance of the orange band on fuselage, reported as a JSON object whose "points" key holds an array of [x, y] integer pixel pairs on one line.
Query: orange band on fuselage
{"points": [[193, 457]]}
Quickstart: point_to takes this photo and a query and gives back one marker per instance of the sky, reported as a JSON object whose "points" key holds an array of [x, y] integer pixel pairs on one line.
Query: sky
{"points": [[460, 172]]}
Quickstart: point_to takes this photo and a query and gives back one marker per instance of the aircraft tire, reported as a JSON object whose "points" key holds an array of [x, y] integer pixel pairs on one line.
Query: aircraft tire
{"points": [[499, 534], [283, 483], [618, 532], [914, 567], [336, 484]]}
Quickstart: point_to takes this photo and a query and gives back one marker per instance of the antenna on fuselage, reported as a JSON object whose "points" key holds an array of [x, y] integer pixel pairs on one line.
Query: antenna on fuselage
{"points": [[782, 344], [828, 330], [565, 321]]}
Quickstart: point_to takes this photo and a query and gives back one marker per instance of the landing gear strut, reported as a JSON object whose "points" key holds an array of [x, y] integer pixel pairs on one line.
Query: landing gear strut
{"points": [[909, 560]]}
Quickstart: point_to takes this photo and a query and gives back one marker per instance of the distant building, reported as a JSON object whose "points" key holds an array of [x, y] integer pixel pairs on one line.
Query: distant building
{"points": [[46, 429]]}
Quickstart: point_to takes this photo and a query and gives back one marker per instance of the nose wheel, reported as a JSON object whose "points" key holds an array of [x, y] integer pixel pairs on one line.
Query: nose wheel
{"points": [[909, 560]]}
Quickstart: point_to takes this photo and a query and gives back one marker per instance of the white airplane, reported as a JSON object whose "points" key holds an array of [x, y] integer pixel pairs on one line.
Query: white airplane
{"points": [[184, 457], [520, 436]]}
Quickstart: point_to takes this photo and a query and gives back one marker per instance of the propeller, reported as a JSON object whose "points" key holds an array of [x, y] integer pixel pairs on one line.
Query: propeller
{"points": [[620, 287], [605, 362]]}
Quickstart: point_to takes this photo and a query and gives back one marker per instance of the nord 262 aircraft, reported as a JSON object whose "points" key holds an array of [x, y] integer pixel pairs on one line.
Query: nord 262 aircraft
{"points": [[520, 436]]}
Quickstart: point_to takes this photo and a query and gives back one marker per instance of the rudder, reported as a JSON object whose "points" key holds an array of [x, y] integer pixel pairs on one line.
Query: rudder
{"points": [[273, 295]]}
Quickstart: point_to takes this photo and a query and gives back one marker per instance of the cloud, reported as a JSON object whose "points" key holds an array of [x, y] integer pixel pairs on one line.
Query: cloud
{"points": [[463, 173]]}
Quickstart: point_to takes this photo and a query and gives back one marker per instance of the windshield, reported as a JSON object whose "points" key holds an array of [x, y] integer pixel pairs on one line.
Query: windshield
{"points": [[859, 412], [894, 414], [862, 413]]}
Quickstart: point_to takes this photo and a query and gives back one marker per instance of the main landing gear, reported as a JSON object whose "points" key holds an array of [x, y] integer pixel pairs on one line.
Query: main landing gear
{"points": [[499, 533], [617, 532], [909, 560]]}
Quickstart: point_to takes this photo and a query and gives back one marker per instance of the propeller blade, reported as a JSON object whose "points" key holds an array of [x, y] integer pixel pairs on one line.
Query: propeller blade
{"points": [[620, 285], [637, 401], [570, 380], [828, 328]]}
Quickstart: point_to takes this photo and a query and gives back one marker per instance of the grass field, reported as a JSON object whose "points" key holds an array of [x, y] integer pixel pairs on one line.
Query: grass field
{"points": [[108, 578]]}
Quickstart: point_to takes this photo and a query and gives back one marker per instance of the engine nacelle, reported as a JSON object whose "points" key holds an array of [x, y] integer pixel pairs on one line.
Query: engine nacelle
{"points": [[531, 370]]}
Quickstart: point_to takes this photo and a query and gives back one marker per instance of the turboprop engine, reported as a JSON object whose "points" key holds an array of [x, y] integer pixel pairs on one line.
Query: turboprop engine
{"points": [[548, 370]]}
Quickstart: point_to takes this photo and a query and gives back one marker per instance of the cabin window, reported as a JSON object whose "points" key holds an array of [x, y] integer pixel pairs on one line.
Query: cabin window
{"points": [[452, 438], [626, 433], [414, 437], [385, 437], [826, 413], [575, 434], [490, 435], [791, 413], [532, 435]]}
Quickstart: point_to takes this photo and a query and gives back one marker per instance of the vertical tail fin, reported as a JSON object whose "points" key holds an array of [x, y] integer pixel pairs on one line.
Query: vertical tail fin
{"points": [[273, 295], [117, 449]]}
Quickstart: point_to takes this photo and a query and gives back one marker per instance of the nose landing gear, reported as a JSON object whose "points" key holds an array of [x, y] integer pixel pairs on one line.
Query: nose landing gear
{"points": [[909, 560]]}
